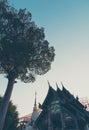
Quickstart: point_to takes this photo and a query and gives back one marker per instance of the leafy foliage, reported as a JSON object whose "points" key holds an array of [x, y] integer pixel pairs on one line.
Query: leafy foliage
{"points": [[24, 52], [11, 120]]}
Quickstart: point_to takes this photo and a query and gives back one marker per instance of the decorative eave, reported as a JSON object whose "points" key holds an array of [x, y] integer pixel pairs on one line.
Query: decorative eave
{"points": [[48, 98], [66, 93], [81, 114], [73, 103]]}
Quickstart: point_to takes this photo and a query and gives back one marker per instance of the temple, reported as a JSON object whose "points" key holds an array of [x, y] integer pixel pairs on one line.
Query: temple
{"points": [[59, 111]]}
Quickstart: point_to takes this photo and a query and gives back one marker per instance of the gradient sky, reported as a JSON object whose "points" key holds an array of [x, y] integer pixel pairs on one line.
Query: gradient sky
{"points": [[66, 24]]}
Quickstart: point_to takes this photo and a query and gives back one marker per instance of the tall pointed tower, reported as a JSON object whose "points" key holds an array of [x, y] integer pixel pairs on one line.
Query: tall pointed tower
{"points": [[35, 110], [35, 103], [35, 114]]}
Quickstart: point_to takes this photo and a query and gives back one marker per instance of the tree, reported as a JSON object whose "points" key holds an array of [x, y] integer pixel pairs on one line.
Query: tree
{"points": [[11, 120], [24, 52]]}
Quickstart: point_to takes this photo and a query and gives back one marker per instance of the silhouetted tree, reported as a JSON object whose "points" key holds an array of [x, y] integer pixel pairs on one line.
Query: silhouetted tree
{"points": [[11, 120], [24, 52]]}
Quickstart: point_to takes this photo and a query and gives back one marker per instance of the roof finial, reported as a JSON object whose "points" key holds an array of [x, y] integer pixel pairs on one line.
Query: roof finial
{"points": [[48, 84], [63, 88], [62, 85], [77, 98], [56, 85], [35, 105]]}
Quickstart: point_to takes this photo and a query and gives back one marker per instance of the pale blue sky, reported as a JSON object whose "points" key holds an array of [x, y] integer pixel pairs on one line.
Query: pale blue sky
{"points": [[66, 24]]}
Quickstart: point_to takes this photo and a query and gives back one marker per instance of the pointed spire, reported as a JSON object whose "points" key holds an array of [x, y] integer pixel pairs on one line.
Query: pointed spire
{"points": [[57, 85], [35, 98], [35, 104], [63, 88], [62, 85], [48, 83]]}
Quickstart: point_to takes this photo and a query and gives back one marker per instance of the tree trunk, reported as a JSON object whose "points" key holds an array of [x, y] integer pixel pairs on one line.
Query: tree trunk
{"points": [[5, 101]]}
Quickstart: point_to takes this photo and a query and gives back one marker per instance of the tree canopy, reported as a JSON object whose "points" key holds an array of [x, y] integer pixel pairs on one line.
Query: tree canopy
{"points": [[24, 51], [11, 120]]}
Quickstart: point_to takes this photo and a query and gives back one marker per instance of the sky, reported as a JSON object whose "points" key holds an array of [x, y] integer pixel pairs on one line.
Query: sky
{"points": [[66, 24]]}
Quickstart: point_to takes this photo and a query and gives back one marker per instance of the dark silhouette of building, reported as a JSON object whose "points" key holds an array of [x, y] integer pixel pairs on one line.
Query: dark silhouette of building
{"points": [[61, 111]]}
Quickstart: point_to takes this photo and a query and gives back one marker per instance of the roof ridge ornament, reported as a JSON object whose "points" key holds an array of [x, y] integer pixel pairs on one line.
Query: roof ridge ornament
{"points": [[62, 86], [58, 88], [48, 84], [57, 85]]}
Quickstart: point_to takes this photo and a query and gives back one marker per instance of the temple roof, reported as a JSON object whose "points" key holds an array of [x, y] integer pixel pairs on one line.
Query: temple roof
{"points": [[66, 99]]}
